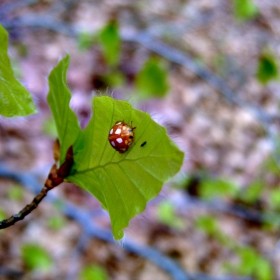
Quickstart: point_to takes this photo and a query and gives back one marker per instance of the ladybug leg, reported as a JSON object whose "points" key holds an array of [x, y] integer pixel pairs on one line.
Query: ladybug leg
{"points": [[132, 127], [131, 137]]}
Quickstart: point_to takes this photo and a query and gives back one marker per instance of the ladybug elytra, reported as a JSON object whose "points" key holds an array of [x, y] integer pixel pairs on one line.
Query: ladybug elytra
{"points": [[121, 136]]}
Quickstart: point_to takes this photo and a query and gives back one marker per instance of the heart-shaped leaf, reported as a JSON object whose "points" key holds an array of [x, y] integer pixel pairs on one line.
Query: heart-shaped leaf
{"points": [[123, 183], [15, 100]]}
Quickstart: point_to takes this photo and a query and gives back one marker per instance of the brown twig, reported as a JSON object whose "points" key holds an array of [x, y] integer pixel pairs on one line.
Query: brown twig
{"points": [[55, 178]]}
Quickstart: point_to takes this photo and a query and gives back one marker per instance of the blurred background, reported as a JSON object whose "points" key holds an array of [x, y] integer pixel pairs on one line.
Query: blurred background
{"points": [[206, 70]]}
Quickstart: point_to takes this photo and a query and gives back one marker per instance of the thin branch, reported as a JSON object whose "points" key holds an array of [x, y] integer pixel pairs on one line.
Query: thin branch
{"points": [[84, 218], [25, 211], [55, 178]]}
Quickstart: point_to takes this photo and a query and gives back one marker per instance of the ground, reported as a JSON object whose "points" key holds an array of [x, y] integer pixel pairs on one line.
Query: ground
{"points": [[227, 131]]}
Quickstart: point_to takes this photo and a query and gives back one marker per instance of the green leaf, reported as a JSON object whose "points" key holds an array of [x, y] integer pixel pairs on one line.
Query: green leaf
{"points": [[85, 40], [275, 199], [36, 257], [2, 214], [56, 222], [114, 79], [248, 259], [123, 183], [59, 96], [95, 272], [15, 100], [244, 9], [253, 264], [167, 215], [264, 269], [270, 164], [207, 224], [111, 43], [15, 192], [267, 69], [253, 192], [152, 80], [217, 187], [49, 127]]}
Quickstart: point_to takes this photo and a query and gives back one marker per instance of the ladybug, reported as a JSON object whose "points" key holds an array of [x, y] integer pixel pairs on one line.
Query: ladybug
{"points": [[121, 136]]}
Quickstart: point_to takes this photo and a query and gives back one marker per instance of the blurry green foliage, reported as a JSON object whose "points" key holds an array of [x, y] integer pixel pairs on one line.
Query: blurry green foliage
{"points": [[93, 272], [166, 214], [252, 192], [244, 9], [114, 78], [251, 264], [271, 166], [2, 214], [49, 127], [207, 224], [267, 69], [22, 49], [217, 187], [36, 257], [110, 41], [86, 40], [274, 199], [15, 192], [152, 79], [56, 222]]}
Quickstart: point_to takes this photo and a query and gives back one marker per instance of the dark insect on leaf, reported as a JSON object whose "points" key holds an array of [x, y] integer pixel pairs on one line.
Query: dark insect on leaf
{"points": [[143, 144]]}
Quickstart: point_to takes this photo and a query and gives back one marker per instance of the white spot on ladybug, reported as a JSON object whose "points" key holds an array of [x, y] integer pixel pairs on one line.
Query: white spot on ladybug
{"points": [[111, 131], [119, 140], [113, 143], [118, 131]]}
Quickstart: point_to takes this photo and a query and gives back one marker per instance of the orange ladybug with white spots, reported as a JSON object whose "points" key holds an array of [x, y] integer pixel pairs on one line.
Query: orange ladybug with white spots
{"points": [[121, 136]]}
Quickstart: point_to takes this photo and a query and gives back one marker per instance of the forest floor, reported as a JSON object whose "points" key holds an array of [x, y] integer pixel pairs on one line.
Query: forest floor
{"points": [[228, 132]]}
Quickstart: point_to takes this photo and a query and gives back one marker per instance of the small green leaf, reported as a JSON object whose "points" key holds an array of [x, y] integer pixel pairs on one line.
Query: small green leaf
{"points": [[2, 214], [15, 193], [93, 272], [123, 183], [49, 127], [36, 257], [253, 192], [207, 224], [152, 80], [167, 215], [85, 40], [267, 68], [217, 187], [270, 164], [56, 222], [244, 9], [111, 43], [59, 96], [114, 79], [248, 259], [264, 270], [253, 264], [275, 199], [15, 100]]}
